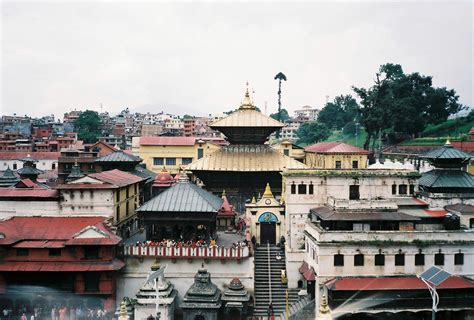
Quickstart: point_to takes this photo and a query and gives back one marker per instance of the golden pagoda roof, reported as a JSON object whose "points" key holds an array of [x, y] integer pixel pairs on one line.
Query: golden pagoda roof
{"points": [[245, 158]]}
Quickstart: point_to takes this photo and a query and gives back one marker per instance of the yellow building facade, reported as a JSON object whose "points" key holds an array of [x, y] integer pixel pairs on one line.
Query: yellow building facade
{"points": [[291, 150], [335, 155], [172, 153]]}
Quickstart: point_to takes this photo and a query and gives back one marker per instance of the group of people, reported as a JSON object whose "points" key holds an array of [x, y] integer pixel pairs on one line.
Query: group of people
{"points": [[55, 313], [167, 243]]}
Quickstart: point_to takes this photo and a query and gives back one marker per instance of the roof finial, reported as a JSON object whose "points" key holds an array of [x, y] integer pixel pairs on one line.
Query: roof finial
{"points": [[247, 101], [253, 200], [223, 193], [448, 142], [268, 192]]}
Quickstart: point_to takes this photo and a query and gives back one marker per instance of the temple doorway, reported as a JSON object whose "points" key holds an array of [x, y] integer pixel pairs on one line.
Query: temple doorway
{"points": [[268, 223]]}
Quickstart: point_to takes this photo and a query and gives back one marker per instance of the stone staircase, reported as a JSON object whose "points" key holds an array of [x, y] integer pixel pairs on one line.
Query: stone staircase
{"points": [[265, 285]]}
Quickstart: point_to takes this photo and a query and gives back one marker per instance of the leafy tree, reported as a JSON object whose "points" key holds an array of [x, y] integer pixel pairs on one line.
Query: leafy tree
{"points": [[283, 115], [187, 116], [312, 132], [338, 113], [88, 126], [403, 103]]}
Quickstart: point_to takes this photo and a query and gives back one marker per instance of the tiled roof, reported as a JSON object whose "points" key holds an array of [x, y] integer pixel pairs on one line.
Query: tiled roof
{"points": [[334, 147], [167, 141], [119, 156], [54, 266], [446, 152], [394, 283], [51, 228], [13, 155], [183, 197], [116, 177], [459, 207], [143, 173], [246, 118], [245, 158], [438, 178]]}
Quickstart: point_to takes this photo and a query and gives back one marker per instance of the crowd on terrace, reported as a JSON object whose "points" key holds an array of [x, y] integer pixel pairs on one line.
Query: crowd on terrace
{"points": [[168, 243]]}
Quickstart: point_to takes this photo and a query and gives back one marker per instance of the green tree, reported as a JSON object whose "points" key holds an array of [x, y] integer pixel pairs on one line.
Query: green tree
{"points": [[283, 115], [312, 132], [338, 113], [403, 103], [187, 116], [88, 126]]}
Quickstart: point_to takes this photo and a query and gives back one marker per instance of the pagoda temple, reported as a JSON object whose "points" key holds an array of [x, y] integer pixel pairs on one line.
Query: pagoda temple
{"points": [[203, 298], [29, 170], [448, 183], [247, 163], [8, 179]]}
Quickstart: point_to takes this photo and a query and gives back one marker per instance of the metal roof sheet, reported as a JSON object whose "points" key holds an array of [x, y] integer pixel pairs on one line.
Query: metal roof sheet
{"points": [[116, 177], [247, 118], [28, 192], [446, 152], [334, 147], [439, 178], [39, 155], [183, 197], [54, 266], [245, 158], [329, 214], [119, 156]]}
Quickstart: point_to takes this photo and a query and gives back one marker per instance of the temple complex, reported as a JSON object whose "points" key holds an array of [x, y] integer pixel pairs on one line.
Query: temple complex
{"points": [[240, 167], [226, 214], [8, 178]]}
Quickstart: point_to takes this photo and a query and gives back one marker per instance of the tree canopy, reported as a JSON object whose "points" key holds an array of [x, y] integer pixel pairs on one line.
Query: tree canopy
{"points": [[403, 103], [312, 132], [88, 126], [338, 113], [283, 116]]}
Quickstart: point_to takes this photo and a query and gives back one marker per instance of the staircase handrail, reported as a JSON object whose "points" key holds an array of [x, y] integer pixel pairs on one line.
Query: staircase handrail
{"points": [[269, 271]]}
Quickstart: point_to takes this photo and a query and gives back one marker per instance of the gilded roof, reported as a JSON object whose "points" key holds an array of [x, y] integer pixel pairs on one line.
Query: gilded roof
{"points": [[245, 158], [247, 118]]}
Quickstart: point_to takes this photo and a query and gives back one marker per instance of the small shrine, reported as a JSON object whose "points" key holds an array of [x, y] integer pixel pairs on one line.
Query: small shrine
{"points": [[76, 173], [8, 178], [235, 300], [202, 301], [267, 218], [146, 298], [29, 170], [163, 181], [226, 214]]}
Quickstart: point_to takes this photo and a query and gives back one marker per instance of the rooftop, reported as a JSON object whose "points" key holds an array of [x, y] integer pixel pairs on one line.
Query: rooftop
{"points": [[11, 155], [335, 147], [119, 156], [167, 141]]}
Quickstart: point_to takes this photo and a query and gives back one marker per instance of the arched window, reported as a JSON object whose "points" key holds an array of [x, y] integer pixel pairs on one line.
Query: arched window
{"points": [[267, 217]]}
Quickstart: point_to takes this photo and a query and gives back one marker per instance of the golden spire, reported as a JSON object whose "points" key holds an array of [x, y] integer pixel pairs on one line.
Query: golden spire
{"points": [[253, 200], [123, 311], [223, 193], [247, 102], [323, 307], [268, 192], [448, 142]]}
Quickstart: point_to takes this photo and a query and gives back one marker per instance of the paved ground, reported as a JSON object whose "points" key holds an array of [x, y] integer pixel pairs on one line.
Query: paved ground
{"points": [[223, 238]]}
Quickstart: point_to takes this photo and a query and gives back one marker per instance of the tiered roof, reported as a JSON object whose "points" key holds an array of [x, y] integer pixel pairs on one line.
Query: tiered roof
{"points": [[335, 147]]}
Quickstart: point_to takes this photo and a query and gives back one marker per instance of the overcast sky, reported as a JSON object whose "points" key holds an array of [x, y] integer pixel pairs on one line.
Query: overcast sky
{"points": [[196, 57]]}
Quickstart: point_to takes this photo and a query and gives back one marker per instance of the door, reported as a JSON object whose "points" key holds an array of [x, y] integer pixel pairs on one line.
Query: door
{"points": [[267, 233]]}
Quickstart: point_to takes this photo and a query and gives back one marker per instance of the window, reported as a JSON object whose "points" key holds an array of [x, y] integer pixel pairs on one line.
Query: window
{"points": [[200, 153], [91, 252], [311, 189], [354, 192], [459, 259], [158, 161], [91, 282], [338, 260], [380, 259], [186, 160], [117, 214], [21, 252], [53, 166], [358, 260], [54, 252], [286, 152], [439, 259], [394, 188], [127, 192], [15, 166], [355, 164], [302, 188], [293, 189], [419, 259], [170, 161], [117, 196], [412, 188], [402, 189], [400, 259], [338, 165], [471, 223]]}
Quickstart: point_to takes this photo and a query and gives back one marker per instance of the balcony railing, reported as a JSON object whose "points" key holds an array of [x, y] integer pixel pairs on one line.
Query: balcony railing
{"points": [[236, 253]]}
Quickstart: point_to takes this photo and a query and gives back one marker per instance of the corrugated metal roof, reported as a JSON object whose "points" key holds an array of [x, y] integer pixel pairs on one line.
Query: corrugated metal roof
{"points": [[116, 177], [28, 193], [40, 244], [247, 118], [183, 197], [446, 152], [54, 266], [329, 214], [39, 155], [119, 156], [462, 208], [394, 283], [334, 147], [245, 158], [439, 178]]}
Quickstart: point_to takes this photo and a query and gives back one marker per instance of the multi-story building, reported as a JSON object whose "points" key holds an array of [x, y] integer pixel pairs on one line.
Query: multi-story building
{"points": [[148, 130], [46, 160], [71, 116], [335, 155], [307, 113], [288, 132], [189, 126], [66, 258], [171, 152]]}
